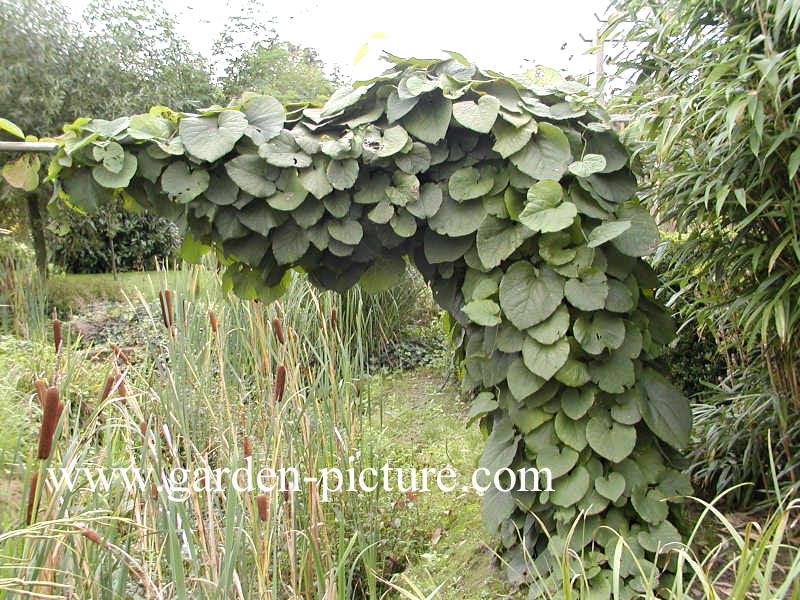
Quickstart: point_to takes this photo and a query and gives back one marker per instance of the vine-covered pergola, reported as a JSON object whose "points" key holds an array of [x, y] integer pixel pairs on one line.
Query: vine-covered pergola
{"points": [[515, 200]]}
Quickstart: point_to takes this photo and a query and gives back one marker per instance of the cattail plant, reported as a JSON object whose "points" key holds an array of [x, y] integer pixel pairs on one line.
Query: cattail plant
{"points": [[51, 411], [212, 317], [120, 354], [263, 509], [167, 312], [246, 447], [41, 390], [280, 384], [278, 329], [57, 335], [34, 484]]}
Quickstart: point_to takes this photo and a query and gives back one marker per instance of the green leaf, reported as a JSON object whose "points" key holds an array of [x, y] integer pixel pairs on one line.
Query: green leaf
{"points": [[393, 141], [212, 137], [429, 119], [588, 165], [382, 213], [12, 128], [191, 250], [497, 239], [642, 236], [121, 178], [611, 486], [510, 139], [612, 441], [571, 431], [614, 374], [23, 173], [249, 173], [467, 183], [290, 198], [403, 223], [483, 312], [430, 199], [528, 297], [266, 115], [650, 505], [283, 151], [343, 98], [83, 191], [573, 374], [521, 382], [607, 232], [455, 220], [553, 328], [544, 360], [607, 145], [478, 116], [589, 292], [569, 490], [315, 180], [444, 249], [549, 220], [289, 243], [183, 185], [481, 405], [576, 403], [559, 460], [546, 156], [342, 174], [347, 231], [383, 274], [665, 410], [599, 332]]}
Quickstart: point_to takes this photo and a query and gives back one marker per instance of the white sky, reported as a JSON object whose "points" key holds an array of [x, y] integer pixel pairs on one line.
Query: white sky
{"points": [[507, 36]]}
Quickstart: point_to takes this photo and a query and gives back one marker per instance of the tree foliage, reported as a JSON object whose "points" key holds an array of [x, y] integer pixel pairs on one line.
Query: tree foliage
{"points": [[715, 100], [514, 199]]}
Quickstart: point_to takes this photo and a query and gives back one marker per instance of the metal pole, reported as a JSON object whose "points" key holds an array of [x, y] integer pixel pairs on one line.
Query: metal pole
{"points": [[28, 147]]}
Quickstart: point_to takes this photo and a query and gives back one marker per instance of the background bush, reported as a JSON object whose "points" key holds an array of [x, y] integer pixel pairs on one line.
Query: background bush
{"points": [[85, 241]]}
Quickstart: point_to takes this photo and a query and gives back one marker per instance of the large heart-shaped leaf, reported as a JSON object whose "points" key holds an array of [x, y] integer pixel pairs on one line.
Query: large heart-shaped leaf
{"points": [[478, 116], [528, 296], [546, 156], [665, 410], [609, 439], [184, 185], [212, 137]]}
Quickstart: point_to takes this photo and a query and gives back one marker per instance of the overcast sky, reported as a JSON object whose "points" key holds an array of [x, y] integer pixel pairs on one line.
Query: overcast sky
{"points": [[507, 36]]}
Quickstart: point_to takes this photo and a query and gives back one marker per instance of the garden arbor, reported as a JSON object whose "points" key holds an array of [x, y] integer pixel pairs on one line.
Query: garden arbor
{"points": [[514, 199]]}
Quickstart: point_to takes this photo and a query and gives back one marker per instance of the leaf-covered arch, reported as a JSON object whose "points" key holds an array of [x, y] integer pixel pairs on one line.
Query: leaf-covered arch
{"points": [[515, 200]]}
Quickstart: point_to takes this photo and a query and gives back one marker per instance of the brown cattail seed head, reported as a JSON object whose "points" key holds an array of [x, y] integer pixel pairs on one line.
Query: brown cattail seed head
{"points": [[120, 354], [143, 427], [107, 389], [334, 317], [92, 536], [280, 384], [122, 389], [246, 447], [154, 491], [261, 503], [41, 389], [57, 335], [276, 327], [31, 498], [51, 410], [213, 318]]}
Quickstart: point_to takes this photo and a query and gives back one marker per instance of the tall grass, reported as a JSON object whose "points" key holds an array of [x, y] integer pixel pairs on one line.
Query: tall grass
{"points": [[222, 389]]}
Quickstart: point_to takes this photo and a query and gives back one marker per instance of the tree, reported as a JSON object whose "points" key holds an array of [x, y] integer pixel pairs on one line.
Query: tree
{"points": [[281, 69], [123, 58], [252, 57]]}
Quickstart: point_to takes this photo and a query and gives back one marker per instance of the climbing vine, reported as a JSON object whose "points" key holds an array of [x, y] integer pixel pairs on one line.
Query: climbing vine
{"points": [[515, 200]]}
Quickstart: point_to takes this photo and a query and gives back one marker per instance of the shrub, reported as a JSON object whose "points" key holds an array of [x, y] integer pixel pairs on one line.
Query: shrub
{"points": [[91, 243]]}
